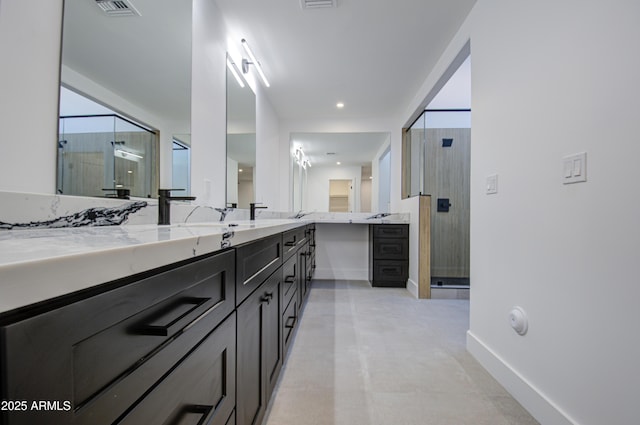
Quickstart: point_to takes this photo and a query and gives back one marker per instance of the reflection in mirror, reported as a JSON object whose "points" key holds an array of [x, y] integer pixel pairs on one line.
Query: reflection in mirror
{"points": [[340, 172], [147, 92], [181, 163], [241, 143], [101, 152]]}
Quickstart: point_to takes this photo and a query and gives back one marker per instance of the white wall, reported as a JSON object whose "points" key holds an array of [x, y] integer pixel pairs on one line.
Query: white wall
{"points": [[29, 78], [551, 79], [341, 251], [208, 104]]}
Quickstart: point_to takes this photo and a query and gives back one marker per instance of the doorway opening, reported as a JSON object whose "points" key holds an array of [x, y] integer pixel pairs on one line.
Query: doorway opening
{"points": [[340, 195]]}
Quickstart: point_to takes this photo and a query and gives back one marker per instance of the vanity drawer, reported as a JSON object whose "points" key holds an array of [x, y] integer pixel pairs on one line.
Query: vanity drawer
{"points": [[255, 262], [104, 352], [290, 275], [390, 273], [390, 230], [292, 240], [200, 389], [391, 249]]}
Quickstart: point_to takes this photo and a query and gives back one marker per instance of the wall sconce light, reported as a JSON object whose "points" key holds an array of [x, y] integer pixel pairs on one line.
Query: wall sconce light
{"points": [[254, 61], [301, 159], [235, 71]]}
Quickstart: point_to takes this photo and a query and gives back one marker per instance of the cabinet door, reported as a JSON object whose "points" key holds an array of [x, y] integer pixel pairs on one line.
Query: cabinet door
{"points": [[259, 350], [289, 322], [302, 277], [200, 388]]}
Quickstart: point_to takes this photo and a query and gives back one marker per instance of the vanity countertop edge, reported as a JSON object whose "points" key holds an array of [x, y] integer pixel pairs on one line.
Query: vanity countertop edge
{"points": [[39, 265]]}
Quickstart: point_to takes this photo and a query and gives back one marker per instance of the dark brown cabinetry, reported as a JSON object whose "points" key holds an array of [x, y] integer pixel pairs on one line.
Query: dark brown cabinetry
{"points": [[389, 254]]}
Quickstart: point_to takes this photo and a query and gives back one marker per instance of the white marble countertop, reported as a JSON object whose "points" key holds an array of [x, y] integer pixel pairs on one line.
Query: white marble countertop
{"points": [[40, 264]]}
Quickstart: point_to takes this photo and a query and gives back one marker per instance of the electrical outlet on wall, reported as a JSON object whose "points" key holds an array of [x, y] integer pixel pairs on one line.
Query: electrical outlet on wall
{"points": [[574, 168]]}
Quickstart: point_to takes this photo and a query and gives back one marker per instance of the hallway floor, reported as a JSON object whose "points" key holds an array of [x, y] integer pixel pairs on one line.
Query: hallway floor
{"points": [[377, 356]]}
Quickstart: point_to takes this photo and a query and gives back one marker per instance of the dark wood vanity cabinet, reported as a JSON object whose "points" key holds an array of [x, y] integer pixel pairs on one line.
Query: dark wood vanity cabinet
{"points": [[389, 255], [99, 356], [259, 350], [201, 388], [196, 342]]}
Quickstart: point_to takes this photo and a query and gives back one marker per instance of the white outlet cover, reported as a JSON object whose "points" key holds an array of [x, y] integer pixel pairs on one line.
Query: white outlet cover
{"points": [[518, 320]]}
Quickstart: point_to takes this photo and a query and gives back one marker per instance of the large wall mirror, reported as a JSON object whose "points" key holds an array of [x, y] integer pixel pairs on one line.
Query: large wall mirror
{"points": [[124, 99], [340, 172], [241, 141]]}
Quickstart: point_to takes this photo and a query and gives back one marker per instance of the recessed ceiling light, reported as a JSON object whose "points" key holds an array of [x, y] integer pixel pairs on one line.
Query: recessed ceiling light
{"points": [[239, 170], [338, 163], [371, 177], [339, 105]]}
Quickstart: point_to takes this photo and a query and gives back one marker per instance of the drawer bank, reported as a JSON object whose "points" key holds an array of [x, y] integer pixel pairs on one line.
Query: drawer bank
{"points": [[200, 341]]}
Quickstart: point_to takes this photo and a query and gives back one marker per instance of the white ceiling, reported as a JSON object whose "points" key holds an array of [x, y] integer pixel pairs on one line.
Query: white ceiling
{"points": [[372, 55], [348, 148]]}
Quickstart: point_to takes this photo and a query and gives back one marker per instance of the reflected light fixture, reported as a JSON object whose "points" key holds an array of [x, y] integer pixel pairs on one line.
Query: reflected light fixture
{"points": [[339, 105], [124, 154], [254, 61], [235, 71]]}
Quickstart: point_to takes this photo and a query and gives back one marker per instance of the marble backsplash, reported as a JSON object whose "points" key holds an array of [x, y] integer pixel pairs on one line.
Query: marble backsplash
{"points": [[34, 210]]}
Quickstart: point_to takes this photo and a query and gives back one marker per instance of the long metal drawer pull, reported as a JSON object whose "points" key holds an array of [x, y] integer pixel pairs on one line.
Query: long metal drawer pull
{"points": [[290, 278], [261, 270], [173, 325], [389, 269]]}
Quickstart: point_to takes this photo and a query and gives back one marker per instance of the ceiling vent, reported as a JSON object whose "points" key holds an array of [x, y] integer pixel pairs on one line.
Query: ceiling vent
{"points": [[317, 4], [117, 7]]}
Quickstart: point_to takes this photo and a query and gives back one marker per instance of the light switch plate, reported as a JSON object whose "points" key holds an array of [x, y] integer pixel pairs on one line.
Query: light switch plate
{"points": [[492, 184], [574, 168]]}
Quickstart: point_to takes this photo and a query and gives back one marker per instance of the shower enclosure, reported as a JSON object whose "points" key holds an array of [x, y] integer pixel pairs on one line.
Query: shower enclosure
{"points": [[98, 154]]}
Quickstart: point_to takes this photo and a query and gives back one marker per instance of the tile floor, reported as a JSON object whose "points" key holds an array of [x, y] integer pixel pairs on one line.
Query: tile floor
{"points": [[377, 356]]}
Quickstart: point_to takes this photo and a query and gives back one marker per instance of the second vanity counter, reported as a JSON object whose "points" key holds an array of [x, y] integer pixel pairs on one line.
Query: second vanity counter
{"points": [[37, 265]]}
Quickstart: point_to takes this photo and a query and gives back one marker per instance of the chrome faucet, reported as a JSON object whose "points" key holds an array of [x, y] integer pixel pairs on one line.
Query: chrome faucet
{"points": [[252, 210], [164, 204], [223, 212]]}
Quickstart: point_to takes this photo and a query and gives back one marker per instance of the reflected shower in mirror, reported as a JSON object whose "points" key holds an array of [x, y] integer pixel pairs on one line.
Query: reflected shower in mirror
{"points": [[101, 153], [241, 141], [340, 172], [107, 62]]}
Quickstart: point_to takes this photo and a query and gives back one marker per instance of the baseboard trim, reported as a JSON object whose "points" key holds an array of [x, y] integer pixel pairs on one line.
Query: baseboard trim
{"points": [[412, 287], [531, 398]]}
